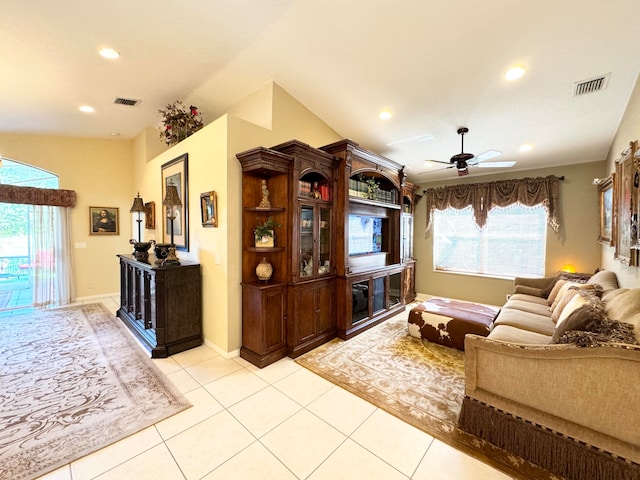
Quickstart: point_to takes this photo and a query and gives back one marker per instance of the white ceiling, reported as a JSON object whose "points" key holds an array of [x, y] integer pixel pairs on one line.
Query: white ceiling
{"points": [[435, 64]]}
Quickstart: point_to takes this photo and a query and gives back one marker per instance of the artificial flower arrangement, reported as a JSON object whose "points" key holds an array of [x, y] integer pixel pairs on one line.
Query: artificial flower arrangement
{"points": [[178, 122]]}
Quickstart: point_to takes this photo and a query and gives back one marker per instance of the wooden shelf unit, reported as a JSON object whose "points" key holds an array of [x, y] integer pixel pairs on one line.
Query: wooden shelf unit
{"points": [[311, 296]]}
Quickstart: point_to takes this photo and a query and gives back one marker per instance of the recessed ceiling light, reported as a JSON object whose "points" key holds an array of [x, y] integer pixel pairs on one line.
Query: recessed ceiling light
{"points": [[385, 115], [86, 109], [526, 147], [514, 73], [109, 53]]}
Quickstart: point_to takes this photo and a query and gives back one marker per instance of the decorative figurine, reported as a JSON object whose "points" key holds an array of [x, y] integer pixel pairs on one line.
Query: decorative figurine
{"points": [[265, 203]]}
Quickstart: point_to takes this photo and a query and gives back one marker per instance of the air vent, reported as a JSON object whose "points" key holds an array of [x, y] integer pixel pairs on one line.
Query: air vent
{"points": [[591, 85], [126, 101]]}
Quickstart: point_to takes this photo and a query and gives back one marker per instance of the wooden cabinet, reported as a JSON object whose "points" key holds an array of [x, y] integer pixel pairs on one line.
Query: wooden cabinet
{"points": [[301, 185], [373, 297], [263, 322], [369, 270], [342, 258], [161, 305], [409, 199], [312, 320]]}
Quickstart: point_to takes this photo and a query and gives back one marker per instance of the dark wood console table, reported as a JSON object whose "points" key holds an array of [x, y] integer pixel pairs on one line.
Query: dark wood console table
{"points": [[161, 305]]}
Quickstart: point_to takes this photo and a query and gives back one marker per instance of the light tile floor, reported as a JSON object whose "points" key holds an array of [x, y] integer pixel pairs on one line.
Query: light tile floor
{"points": [[281, 422]]}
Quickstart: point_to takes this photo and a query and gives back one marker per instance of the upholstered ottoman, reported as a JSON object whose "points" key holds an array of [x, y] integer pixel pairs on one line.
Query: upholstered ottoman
{"points": [[446, 322]]}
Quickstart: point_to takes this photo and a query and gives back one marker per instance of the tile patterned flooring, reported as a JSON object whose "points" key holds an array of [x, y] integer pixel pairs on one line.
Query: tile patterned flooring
{"points": [[281, 422]]}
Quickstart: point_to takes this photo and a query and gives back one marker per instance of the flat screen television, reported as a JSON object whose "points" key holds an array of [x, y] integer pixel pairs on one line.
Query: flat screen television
{"points": [[365, 234]]}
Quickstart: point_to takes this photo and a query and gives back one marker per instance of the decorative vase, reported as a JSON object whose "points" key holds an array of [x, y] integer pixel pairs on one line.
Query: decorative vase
{"points": [[264, 270], [161, 250], [141, 249]]}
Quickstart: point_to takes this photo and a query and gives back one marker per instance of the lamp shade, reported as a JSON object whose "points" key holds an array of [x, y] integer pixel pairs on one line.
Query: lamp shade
{"points": [[138, 204], [171, 198]]}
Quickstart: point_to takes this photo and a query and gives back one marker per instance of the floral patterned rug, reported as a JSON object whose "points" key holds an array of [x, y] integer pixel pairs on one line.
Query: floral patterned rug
{"points": [[421, 383], [73, 381]]}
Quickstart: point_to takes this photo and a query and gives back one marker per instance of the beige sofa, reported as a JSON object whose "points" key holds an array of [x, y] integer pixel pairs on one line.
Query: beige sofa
{"points": [[570, 409]]}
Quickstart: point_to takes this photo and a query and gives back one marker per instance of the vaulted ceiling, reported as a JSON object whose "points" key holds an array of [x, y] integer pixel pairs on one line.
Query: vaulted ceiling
{"points": [[434, 65]]}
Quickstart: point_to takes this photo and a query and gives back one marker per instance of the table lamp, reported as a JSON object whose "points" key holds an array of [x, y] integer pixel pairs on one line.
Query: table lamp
{"points": [[171, 201], [140, 248]]}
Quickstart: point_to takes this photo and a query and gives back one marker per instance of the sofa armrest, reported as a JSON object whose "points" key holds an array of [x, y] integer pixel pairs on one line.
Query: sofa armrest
{"points": [[538, 287], [588, 394]]}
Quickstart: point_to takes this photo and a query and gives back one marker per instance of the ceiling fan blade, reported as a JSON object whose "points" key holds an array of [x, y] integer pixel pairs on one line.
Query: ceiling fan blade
{"points": [[434, 170], [437, 161], [496, 164], [486, 156]]}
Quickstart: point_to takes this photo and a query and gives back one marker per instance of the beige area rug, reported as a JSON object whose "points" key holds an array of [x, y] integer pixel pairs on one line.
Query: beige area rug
{"points": [[421, 383], [73, 380]]}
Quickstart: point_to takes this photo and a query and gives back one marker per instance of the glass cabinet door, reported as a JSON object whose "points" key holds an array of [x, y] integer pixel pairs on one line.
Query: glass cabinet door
{"points": [[306, 241], [324, 242]]}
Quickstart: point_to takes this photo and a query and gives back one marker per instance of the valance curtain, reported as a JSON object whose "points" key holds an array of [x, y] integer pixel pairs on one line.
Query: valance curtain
{"points": [[482, 197], [50, 233], [37, 196]]}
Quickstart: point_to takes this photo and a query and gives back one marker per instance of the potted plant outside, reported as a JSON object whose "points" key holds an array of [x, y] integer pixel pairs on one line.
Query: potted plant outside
{"points": [[264, 234]]}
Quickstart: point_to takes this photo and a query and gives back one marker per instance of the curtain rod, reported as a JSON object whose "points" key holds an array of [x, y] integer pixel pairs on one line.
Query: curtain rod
{"points": [[561, 177]]}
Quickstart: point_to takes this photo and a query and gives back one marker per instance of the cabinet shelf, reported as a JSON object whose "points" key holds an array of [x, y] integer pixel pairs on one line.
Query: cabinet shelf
{"points": [[265, 249], [366, 201], [265, 209]]}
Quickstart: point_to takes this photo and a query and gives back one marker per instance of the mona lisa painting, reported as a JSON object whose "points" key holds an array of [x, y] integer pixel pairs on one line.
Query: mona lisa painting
{"points": [[103, 221]]}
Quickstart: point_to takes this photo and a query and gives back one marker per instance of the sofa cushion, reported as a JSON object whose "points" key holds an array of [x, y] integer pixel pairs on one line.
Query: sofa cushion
{"points": [[624, 305], [531, 322], [532, 291], [528, 298], [605, 278], [508, 333], [526, 306]]}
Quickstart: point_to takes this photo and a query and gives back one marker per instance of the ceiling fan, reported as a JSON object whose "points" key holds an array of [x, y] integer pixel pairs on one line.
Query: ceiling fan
{"points": [[462, 161]]}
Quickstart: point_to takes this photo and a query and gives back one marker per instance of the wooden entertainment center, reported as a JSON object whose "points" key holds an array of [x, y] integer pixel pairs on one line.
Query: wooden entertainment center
{"points": [[342, 259]]}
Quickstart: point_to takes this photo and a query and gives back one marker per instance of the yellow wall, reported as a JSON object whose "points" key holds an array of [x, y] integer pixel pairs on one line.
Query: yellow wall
{"points": [[213, 166], [99, 172], [576, 241], [628, 131]]}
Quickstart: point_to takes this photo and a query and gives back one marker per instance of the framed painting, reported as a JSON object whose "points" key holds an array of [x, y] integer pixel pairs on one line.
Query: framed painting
{"points": [[150, 215], [605, 194], [625, 208], [175, 224], [104, 221], [209, 209]]}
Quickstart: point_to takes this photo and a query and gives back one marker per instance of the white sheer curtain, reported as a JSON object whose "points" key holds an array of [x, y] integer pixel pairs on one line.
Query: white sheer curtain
{"points": [[53, 272]]}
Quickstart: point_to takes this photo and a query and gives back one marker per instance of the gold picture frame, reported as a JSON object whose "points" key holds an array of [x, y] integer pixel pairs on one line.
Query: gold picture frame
{"points": [[209, 209], [626, 210], [150, 215], [605, 200], [104, 221]]}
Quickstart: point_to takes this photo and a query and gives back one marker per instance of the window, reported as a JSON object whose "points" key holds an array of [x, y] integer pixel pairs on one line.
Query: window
{"points": [[513, 242]]}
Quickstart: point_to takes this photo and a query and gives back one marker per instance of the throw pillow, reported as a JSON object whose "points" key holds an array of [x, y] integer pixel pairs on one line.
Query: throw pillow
{"points": [[578, 319], [558, 306], [576, 302], [554, 291], [600, 332]]}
